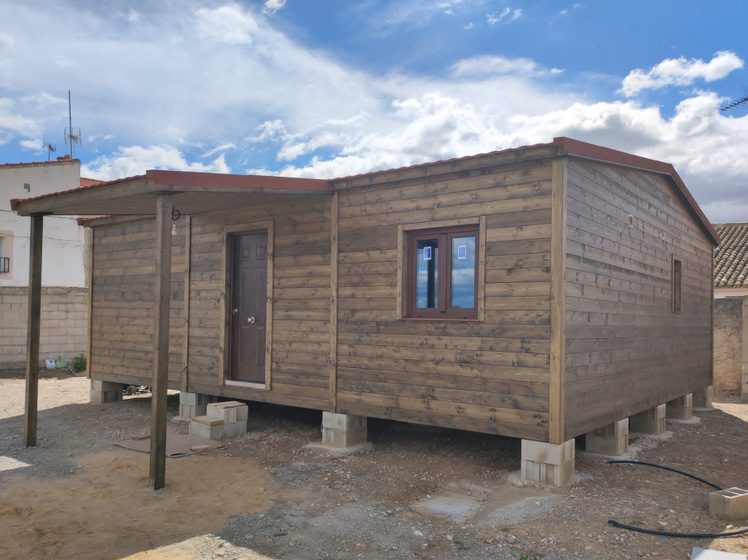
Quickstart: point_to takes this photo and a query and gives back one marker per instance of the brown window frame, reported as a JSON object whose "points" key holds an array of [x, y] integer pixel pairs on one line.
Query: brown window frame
{"points": [[677, 286], [444, 310]]}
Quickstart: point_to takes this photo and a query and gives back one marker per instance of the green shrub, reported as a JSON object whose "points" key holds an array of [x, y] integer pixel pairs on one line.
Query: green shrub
{"points": [[79, 363]]}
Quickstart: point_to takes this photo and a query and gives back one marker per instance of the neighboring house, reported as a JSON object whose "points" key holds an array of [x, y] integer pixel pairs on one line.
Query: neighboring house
{"points": [[731, 310], [64, 304], [543, 293]]}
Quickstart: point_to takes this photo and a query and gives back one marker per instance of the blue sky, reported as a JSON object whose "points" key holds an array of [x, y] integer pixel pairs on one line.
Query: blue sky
{"points": [[331, 88]]}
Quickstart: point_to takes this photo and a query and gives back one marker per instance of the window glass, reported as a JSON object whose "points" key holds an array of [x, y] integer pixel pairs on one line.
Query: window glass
{"points": [[463, 272], [677, 285], [427, 273]]}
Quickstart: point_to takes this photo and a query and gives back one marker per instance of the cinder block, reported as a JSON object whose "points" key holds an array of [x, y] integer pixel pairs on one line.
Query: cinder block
{"points": [[730, 504], [612, 439], [207, 427], [234, 429], [103, 392], [680, 408], [343, 430], [548, 463], [702, 398], [650, 421], [192, 404], [229, 411]]}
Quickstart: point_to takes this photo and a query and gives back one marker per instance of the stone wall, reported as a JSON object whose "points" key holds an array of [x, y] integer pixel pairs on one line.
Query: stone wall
{"points": [[64, 323], [728, 345]]}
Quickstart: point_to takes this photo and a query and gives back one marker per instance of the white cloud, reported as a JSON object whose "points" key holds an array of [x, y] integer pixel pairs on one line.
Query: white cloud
{"points": [[681, 72], [218, 149], [97, 137], [13, 123], [506, 15], [706, 147], [227, 24], [487, 64], [174, 94], [35, 145], [135, 160], [272, 6], [6, 40]]}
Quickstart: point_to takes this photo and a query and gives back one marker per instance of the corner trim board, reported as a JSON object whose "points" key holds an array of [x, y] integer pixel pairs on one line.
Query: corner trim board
{"points": [[556, 396]]}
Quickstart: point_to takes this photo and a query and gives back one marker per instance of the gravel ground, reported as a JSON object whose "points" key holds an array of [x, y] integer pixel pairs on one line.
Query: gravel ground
{"points": [[365, 505]]}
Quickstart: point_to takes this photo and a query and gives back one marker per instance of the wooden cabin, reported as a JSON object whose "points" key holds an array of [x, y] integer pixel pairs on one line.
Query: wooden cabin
{"points": [[542, 293]]}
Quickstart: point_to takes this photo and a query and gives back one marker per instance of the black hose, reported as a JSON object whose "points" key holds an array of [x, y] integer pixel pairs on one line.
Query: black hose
{"points": [[671, 469], [734, 533], [619, 525]]}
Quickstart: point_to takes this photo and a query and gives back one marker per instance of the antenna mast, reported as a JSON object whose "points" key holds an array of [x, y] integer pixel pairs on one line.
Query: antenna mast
{"points": [[72, 135]]}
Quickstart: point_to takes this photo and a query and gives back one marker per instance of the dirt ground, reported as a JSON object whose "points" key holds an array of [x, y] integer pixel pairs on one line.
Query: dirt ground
{"points": [[268, 496]]}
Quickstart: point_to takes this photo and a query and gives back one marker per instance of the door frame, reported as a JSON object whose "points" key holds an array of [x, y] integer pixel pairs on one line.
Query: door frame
{"points": [[258, 226]]}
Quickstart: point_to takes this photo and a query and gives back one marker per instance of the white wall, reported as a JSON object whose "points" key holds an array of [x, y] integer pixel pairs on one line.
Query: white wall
{"points": [[64, 240]]}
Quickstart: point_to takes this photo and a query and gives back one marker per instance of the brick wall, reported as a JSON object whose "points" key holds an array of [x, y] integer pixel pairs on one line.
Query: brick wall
{"points": [[728, 344], [64, 324]]}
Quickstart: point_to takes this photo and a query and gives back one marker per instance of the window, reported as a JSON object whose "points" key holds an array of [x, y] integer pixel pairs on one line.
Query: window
{"points": [[4, 258], [677, 285], [441, 273]]}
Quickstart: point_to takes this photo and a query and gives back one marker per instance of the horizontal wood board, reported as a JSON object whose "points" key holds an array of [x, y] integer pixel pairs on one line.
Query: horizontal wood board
{"points": [[123, 301], [488, 376], [123, 308], [626, 350]]}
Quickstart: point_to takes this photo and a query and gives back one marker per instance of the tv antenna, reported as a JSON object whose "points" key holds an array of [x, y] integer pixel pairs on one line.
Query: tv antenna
{"points": [[735, 103], [72, 135], [50, 148]]}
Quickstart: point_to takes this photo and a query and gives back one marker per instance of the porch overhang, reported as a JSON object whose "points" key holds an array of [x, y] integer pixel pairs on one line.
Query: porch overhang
{"points": [[192, 193]]}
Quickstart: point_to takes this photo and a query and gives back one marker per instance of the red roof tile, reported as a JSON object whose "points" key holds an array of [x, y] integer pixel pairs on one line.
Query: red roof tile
{"points": [[731, 256], [86, 182]]}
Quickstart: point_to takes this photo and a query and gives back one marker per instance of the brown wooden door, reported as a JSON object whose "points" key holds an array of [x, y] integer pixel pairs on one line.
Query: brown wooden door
{"points": [[248, 305]]}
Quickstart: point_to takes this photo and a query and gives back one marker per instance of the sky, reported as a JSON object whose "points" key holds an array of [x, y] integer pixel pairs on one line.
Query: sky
{"points": [[330, 88]]}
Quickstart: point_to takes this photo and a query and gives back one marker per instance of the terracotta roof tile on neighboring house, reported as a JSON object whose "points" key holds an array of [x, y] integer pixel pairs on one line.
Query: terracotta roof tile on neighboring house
{"points": [[86, 182], [731, 256]]}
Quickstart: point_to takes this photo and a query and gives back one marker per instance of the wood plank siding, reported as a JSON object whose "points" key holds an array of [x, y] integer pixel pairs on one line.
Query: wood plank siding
{"points": [[573, 326], [299, 372], [123, 302], [626, 350], [488, 375]]}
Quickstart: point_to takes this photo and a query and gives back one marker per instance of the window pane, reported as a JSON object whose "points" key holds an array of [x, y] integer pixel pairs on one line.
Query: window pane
{"points": [[677, 285], [427, 274], [463, 272]]}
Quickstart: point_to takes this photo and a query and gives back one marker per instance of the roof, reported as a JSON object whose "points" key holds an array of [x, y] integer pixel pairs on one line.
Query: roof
{"points": [[142, 189], [731, 256], [86, 182], [194, 192]]}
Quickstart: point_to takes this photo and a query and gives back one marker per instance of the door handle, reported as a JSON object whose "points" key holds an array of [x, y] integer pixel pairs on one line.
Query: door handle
{"points": [[234, 311], [251, 320]]}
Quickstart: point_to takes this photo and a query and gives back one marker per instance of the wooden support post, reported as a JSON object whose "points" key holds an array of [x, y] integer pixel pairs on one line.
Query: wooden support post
{"points": [[334, 212], [164, 208], [186, 303], [89, 307], [34, 329]]}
